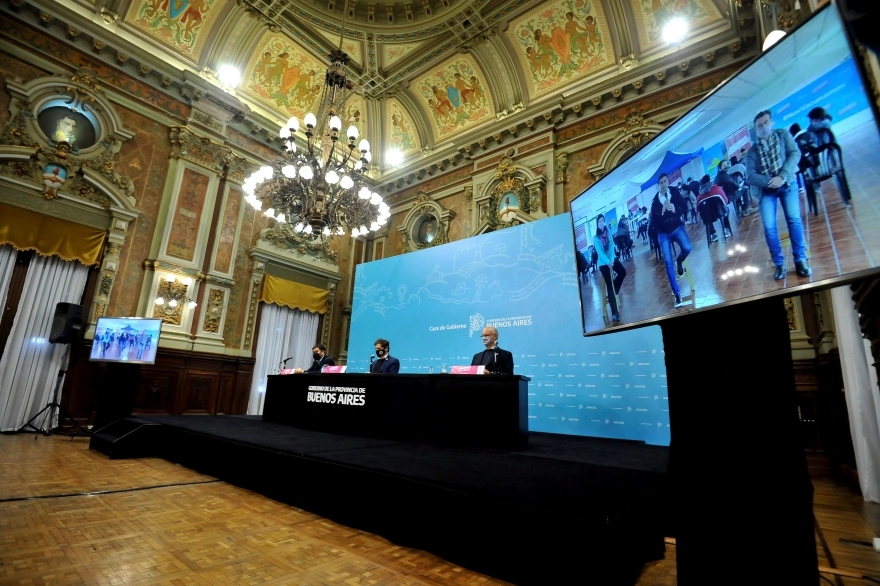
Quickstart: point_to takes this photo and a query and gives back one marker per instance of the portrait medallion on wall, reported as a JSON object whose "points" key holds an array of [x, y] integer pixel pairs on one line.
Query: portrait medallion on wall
{"points": [[61, 124], [560, 42], [508, 205], [425, 229]]}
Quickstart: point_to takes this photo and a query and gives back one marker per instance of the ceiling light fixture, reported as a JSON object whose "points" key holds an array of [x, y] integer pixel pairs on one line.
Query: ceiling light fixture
{"points": [[675, 31], [322, 189], [229, 75], [772, 38]]}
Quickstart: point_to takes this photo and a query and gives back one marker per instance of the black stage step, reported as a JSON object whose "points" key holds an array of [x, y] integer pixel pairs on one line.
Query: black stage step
{"points": [[129, 437], [567, 508]]}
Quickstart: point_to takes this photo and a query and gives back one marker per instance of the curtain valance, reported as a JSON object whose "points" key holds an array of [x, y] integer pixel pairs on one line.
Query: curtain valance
{"points": [[49, 236], [294, 295]]}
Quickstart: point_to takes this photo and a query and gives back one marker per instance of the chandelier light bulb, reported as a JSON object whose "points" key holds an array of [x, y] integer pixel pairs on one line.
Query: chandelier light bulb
{"points": [[160, 301], [298, 228], [355, 232], [358, 165], [335, 123], [383, 220], [267, 172], [258, 204], [306, 172], [352, 133], [364, 193], [375, 199], [364, 230], [772, 38], [340, 231], [308, 229], [346, 182], [383, 208], [293, 123], [270, 213], [325, 231], [368, 156], [172, 303], [374, 226], [280, 219], [288, 171], [332, 177], [284, 133], [291, 146], [191, 304], [310, 120], [364, 146]]}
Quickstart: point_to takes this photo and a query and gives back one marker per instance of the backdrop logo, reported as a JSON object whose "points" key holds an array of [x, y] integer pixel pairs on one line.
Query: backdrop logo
{"points": [[477, 324]]}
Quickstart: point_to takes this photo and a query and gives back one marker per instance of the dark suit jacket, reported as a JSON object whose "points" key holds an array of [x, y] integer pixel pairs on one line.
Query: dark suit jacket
{"points": [[502, 365], [317, 365], [390, 365]]}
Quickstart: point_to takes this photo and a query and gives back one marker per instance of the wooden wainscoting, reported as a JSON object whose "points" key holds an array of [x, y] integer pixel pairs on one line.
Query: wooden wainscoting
{"points": [[179, 383]]}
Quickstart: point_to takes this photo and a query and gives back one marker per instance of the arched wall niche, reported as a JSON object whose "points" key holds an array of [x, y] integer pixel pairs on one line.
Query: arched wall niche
{"points": [[511, 198], [61, 164]]}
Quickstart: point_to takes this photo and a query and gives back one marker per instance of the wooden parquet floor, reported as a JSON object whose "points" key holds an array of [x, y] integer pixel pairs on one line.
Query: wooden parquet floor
{"points": [[169, 525]]}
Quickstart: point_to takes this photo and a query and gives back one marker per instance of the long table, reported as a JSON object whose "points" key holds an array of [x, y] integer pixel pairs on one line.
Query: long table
{"points": [[476, 410]]}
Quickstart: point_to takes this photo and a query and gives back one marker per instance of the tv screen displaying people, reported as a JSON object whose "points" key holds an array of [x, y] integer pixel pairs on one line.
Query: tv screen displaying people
{"points": [[766, 186], [126, 339]]}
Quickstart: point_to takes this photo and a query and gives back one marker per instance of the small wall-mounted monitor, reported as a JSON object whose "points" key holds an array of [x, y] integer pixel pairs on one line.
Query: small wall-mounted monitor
{"points": [[768, 186], [126, 339]]}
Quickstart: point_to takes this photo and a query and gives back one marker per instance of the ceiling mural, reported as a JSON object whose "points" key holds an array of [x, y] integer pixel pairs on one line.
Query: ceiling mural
{"points": [[392, 54], [354, 49], [181, 25], [354, 113], [559, 42], [456, 95], [651, 15], [284, 77], [400, 130]]}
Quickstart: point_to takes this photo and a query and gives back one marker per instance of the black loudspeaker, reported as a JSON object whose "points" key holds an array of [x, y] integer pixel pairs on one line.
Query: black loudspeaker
{"points": [[67, 324]]}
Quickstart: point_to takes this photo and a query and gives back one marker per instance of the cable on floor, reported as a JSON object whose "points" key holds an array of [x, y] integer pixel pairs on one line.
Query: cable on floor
{"points": [[100, 492]]}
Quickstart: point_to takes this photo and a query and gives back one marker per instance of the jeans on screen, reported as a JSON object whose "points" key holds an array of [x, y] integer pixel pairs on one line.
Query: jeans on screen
{"points": [[791, 208], [612, 286], [680, 237]]}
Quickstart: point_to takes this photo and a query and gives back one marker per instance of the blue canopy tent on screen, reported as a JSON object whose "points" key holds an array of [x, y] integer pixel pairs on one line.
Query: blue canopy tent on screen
{"points": [[671, 162]]}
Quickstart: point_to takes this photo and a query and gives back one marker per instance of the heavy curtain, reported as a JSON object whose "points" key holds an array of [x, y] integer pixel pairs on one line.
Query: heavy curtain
{"points": [[862, 393], [283, 332], [294, 295], [27, 230], [29, 366], [7, 264]]}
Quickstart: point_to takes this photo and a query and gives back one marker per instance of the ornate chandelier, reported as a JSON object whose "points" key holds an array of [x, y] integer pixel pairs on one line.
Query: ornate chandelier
{"points": [[321, 189]]}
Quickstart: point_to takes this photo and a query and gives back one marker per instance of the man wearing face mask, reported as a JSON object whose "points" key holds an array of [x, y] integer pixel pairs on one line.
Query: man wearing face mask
{"points": [[496, 360], [771, 168], [319, 354], [386, 363], [667, 209]]}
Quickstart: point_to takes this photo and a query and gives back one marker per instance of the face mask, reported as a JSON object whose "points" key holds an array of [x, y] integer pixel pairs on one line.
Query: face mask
{"points": [[380, 353], [316, 356], [763, 131], [486, 339]]}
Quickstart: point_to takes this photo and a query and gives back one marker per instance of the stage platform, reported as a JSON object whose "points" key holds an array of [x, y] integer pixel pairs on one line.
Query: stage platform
{"points": [[565, 508]]}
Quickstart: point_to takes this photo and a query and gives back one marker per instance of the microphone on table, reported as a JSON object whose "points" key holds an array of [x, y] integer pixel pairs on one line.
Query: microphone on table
{"points": [[282, 364]]}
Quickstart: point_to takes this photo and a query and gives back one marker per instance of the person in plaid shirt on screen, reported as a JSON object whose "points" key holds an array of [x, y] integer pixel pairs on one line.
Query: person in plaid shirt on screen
{"points": [[771, 167]]}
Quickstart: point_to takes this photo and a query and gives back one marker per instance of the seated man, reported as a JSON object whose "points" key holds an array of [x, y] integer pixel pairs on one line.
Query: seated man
{"points": [[319, 354], [712, 205], [386, 364], [496, 360]]}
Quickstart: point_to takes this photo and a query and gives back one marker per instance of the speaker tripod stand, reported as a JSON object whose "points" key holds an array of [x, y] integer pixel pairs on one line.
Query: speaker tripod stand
{"points": [[52, 407]]}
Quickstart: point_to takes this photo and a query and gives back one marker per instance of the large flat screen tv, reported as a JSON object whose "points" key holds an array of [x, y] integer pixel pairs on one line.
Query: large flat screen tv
{"points": [[768, 186], [126, 339]]}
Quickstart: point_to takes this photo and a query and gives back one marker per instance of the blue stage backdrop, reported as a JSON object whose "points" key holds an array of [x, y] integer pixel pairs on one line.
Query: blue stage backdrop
{"points": [[433, 304]]}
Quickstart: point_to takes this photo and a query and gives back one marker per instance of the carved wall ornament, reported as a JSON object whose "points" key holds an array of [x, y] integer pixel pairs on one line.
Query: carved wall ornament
{"points": [[426, 225], [636, 131], [513, 196], [214, 311], [170, 290], [561, 166]]}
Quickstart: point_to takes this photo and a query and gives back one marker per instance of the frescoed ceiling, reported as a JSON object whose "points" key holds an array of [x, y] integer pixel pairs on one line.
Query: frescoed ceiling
{"points": [[431, 70]]}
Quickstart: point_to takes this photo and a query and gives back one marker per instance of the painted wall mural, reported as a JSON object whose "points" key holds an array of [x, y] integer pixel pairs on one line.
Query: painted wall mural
{"points": [[354, 114], [651, 15], [226, 237], [400, 130], [284, 77], [560, 42], [181, 25], [456, 94], [187, 215], [353, 48], [392, 54]]}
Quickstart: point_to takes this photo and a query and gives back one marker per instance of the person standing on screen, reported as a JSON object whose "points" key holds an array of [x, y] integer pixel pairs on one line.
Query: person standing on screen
{"points": [[386, 364], [667, 208], [609, 265], [771, 167], [496, 360], [320, 360]]}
